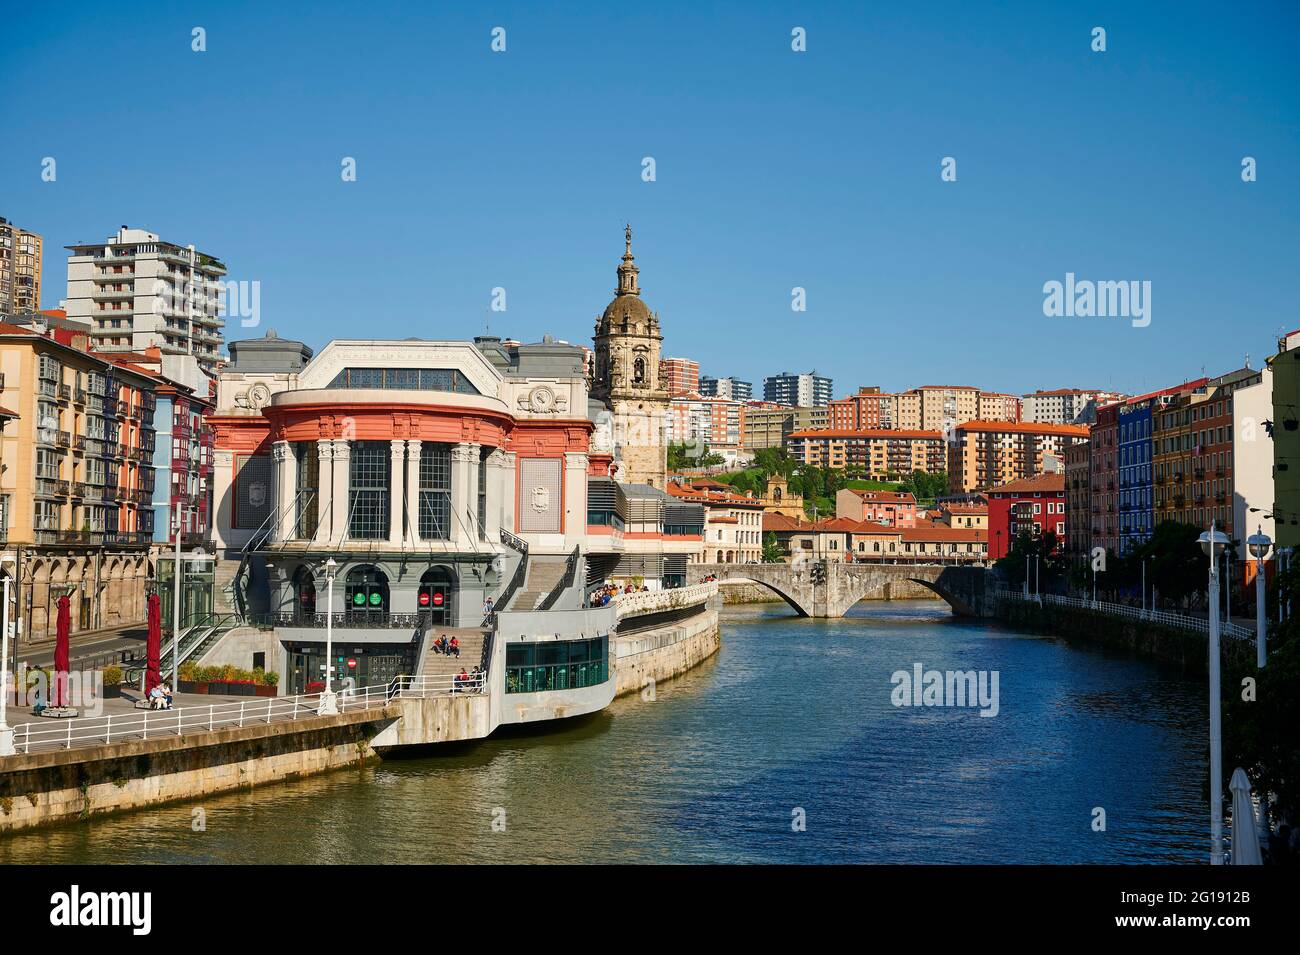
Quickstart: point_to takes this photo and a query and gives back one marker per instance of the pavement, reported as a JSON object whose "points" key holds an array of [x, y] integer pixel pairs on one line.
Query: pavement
{"points": [[100, 647], [119, 721]]}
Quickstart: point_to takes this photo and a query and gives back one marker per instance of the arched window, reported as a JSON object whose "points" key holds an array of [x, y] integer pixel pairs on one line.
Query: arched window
{"points": [[638, 371], [304, 594], [436, 596], [366, 592]]}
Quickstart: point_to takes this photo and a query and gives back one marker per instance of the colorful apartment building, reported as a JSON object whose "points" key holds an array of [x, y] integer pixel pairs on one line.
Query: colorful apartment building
{"points": [[1285, 367], [879, 453], [1033, 505], [78, 480], [984, 454], [1078, 498], [891, 508], [679, 376], [20, 269]]}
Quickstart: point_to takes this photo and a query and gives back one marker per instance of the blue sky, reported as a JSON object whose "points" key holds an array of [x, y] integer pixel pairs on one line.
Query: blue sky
{"points": [[774, 169]]}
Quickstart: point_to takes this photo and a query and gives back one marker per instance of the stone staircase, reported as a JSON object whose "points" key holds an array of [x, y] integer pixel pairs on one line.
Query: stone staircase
{"points": [[223, 586], [442, 667], [543, 574]]}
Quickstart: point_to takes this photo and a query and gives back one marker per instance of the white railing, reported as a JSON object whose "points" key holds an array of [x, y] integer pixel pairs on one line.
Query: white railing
{"points": [[1181, 621], [652, 601], [53, 734]]}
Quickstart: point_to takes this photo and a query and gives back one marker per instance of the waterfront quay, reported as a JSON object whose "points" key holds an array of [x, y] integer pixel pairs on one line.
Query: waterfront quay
{"points": [[125, 757]]}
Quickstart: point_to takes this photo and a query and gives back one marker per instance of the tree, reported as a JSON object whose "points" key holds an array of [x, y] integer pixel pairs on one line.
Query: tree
{"points": [[772, 553], [682, 457], [1038, 555]]}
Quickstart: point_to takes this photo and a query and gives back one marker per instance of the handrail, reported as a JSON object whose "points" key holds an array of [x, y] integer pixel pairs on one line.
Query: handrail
{"points": [[565, 581], [43, 734], [516, 580], [1179, 620]]}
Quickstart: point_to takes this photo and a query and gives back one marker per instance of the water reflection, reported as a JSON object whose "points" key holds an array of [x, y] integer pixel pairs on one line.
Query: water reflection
{"points": [[791, 715]]}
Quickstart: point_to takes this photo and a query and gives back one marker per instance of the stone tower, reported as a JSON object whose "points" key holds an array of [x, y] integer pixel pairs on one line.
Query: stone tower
{"points": [[626, 379]]}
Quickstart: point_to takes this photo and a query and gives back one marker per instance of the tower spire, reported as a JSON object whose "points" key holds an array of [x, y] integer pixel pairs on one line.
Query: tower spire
{"points": [[627, 272]]}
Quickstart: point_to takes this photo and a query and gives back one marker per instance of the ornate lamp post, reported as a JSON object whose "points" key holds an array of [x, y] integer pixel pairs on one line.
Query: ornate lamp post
{"points": [[1259, 544], [328, 703], [1213, 542]]}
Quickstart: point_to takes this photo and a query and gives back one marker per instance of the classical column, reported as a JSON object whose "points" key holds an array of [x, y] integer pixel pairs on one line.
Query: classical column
{"points": [[397, 495], [223, 492], [412, 537], [286, 490], [497, 502], [509, 496], [575, 499], [464, 482], [324, 490], [339, 494]]}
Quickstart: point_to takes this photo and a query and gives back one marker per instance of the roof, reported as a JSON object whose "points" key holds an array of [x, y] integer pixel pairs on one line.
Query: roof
{"points": [[886, 497], [944, 533], [6, 413], [783, 522], [962, 507], [1025, 427], [1039, 483], [868, 433]]}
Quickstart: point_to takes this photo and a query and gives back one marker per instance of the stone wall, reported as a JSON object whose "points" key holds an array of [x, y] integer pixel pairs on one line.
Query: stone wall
{"points": [[664, 652], [238, 646], [1185, 648], [66, 785]]}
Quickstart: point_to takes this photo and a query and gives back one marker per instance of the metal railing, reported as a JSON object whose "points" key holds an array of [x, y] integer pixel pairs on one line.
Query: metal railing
{"points": [[342, 619], [653, 601], [565, 581], [44, 735], [1164, 617]]}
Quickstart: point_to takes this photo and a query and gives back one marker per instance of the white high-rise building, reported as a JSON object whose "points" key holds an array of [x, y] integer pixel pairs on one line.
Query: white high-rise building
{"points": [[136, 290]]}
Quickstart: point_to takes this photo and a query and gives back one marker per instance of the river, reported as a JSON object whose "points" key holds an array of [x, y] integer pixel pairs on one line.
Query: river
{"points": [[791, 722]]}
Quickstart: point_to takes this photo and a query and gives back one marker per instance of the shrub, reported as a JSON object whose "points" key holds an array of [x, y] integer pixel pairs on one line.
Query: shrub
{"points": [[112, 675], [189, 671], [272, 678]]}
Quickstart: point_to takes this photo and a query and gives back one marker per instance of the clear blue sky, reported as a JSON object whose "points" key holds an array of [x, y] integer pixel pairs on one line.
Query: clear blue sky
{"points": [[775, 170]]}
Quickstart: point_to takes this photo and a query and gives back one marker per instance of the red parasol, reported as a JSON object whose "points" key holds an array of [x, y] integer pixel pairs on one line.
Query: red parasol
{"points": [[62, 629], [153, 649]]}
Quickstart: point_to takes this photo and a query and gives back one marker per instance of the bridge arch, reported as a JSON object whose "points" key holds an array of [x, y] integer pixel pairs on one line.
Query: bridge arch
{"points": [[743, 579]]}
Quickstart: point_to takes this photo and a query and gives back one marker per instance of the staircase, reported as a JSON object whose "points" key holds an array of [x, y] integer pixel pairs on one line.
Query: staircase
{"points": [[443, 668], [223, 585], [543, 574]]}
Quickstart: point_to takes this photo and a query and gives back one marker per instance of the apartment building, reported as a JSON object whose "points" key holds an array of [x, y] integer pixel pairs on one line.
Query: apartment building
{"points": [[1193, 452], [733, 523], [1285, 366], [20, 269], [138, 291], [694, 419], [727, 388], [891, 508], [767, 425], [1066, 405], [1034, 505], [680, 376], [78, 481], [806, 390], [1078, 498], [984, 454], [880, 453], [869, 409]]}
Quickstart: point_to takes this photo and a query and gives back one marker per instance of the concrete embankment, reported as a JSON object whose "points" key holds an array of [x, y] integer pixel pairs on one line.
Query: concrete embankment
{"points": [[1185, 648], [664, 652], [65, 785]]}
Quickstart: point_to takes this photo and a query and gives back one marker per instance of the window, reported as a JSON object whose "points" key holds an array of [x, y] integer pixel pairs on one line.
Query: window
{"points": [[307, 491], [407, 379], [368, 490], [435, 491], [482, 492], [556, 665]]}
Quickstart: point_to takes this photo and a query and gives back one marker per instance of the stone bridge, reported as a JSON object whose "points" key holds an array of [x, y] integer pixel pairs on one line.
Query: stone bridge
{"points": [[964, 588]]}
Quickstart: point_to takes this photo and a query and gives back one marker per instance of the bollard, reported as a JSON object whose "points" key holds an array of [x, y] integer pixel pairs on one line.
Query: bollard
{"points": [[108, 729]]}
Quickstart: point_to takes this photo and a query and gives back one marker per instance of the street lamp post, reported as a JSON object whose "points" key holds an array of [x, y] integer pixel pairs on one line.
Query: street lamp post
{"points": [[1213, 543], [1259, 543], [328, 704], [6, 731]]}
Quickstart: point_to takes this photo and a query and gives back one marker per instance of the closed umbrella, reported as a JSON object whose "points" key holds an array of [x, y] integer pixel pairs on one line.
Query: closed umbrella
{"points": [[63, 627], [1245, 830], [153, 648]]}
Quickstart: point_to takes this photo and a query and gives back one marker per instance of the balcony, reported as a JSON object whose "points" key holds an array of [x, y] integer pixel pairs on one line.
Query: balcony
{"points": [[64, 439], [65, 393]]}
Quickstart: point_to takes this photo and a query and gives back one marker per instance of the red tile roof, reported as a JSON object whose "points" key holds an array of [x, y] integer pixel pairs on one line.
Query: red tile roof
{"points": [[1025, 427], [868, 433], [1041, 483]]}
